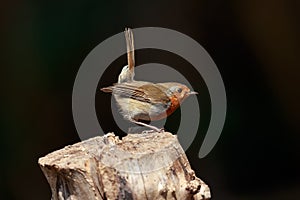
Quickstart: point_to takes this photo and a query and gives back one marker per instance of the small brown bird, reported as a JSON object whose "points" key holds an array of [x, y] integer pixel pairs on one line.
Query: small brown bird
{"points": [[141, 101]]}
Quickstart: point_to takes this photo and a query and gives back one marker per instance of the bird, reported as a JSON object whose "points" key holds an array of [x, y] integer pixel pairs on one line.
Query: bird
{"points": [[142, 101]]}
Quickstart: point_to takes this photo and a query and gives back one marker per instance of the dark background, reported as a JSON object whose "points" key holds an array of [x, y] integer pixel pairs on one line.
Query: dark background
{"points": [[255, 45]]}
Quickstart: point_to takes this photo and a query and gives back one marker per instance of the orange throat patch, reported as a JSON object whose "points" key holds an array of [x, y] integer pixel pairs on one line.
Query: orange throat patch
{"points": [[174, 105]]}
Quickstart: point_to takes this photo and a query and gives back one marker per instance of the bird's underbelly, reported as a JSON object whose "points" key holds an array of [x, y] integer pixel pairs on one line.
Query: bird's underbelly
{"points": [[139, 110]]}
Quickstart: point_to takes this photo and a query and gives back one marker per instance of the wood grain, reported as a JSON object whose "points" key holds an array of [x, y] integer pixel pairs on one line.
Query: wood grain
{"points": [[140, 166]]}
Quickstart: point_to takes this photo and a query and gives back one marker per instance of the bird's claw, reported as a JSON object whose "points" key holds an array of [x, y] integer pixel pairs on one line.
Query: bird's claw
{"points": [[161, 130]]}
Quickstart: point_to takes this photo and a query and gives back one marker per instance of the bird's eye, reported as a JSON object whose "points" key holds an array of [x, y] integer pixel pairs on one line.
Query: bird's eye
{"points": [[179, 90]]}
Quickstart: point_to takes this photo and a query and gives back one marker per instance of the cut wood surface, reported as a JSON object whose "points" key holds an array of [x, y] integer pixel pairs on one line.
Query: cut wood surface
{"points": [[140, 166]]}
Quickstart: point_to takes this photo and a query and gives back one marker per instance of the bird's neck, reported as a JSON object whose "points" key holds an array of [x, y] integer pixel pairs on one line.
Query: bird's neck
{"points": [[174, 105]]}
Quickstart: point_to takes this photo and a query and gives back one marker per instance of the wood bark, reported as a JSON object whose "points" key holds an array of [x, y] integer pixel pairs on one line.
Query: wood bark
{"points": [[140, 166]]}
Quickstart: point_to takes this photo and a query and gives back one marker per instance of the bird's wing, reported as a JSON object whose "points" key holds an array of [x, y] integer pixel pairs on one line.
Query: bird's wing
{"points": [[145, 92]]}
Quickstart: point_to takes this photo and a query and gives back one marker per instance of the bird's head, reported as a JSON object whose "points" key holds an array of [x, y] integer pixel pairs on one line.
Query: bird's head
{"points": [[180, 91]]}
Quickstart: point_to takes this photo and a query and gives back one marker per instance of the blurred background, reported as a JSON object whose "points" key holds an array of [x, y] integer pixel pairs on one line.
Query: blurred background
{"points": [[255, 44]]}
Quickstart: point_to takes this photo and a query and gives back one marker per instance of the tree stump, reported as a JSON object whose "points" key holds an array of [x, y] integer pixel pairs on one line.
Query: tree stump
{"points": [[140, 166]]}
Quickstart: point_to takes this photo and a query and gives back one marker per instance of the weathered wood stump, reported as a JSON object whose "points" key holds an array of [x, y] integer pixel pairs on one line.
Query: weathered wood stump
{"points": [[140, 166]]}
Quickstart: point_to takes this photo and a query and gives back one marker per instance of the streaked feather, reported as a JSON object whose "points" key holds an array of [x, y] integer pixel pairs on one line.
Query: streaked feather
{"points": [[146, 92]]}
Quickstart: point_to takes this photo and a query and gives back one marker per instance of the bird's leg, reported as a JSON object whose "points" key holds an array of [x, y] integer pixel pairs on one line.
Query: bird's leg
{"points": [[147, 125]]}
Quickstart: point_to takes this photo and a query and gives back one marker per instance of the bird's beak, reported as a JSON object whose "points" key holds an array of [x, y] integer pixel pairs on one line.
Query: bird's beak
{"points": [[193, 92]]}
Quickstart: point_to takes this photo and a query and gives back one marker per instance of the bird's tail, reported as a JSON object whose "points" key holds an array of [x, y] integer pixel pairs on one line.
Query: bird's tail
{"points": [[130, 48], [127, 73]]}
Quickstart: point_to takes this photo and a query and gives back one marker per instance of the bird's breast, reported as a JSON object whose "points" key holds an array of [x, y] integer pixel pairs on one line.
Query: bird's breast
{"points": [[163, 113], [173, 106]]}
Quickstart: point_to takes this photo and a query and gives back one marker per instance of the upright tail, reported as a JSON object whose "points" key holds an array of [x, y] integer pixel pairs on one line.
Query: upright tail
{"points": [[127, 73], [130, 48]]}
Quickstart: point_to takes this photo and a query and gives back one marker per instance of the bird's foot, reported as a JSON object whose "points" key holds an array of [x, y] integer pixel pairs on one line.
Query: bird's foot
{"points": [[159, 130]]}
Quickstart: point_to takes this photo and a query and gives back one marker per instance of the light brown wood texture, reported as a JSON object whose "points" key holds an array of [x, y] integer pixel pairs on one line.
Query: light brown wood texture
{"points": [[140, 166]]}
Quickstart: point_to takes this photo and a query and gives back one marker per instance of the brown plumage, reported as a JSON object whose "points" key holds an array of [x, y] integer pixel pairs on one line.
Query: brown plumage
{"points": [[145, 101]]}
